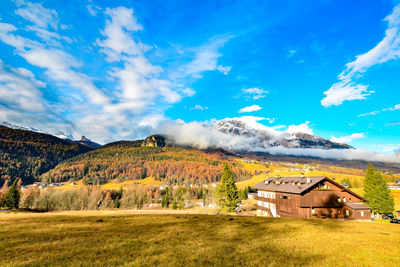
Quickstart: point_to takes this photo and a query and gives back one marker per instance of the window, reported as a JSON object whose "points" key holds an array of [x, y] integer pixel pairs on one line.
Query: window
{"points": [[312, 211], [362, 214], [285, 197], [347, 213], [338, 199], [344, 199]]}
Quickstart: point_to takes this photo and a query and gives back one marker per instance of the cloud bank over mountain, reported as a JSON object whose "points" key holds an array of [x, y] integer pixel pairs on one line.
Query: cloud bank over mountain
{"points": [[210, 134]]}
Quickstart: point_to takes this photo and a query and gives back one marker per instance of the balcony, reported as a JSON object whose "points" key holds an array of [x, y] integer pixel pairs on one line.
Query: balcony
{"points": [[270, 200]]}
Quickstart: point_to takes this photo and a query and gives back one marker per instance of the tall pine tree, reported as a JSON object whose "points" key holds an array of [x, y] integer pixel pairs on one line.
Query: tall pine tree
{"points": [[370, 185], [377, 192], [12, 197], [227, 191]]}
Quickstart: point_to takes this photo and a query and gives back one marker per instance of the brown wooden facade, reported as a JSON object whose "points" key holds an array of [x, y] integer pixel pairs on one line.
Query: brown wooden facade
{"points": [[323, 198]]}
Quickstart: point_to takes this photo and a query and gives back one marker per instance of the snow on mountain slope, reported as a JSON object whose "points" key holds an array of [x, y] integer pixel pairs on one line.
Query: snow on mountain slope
{"points": [[295, 137]]}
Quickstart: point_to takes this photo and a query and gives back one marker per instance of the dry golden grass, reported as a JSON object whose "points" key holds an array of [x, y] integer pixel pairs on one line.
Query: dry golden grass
{"points": [[396, 196], [149, 181], [104, 239]]}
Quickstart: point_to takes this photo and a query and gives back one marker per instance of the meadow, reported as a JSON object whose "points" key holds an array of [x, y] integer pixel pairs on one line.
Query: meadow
{"points": [[115, 238]]}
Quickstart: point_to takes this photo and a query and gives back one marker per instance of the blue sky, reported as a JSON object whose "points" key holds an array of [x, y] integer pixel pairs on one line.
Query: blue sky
{"points": [[117, 69]]}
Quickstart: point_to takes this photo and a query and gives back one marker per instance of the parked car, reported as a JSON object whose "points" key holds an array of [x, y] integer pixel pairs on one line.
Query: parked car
{"points": [[387, 216], [394, 220]]}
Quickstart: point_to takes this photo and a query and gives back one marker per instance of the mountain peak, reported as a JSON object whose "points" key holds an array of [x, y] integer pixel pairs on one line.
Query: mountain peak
{"points": [[264, 136]]}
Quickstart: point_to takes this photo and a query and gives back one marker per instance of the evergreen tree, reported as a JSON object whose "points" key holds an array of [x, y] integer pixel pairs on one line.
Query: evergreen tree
{"points": [[370, 185], [377, 192], [227, 190], [166, 198], [384, 202], [12, 197]]}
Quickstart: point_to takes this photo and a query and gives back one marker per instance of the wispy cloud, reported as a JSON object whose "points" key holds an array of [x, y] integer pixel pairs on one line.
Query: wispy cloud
{"points": [[251, 108], [118, 40], [92, 8], [347, 139], [348, 88], [38, 15], [198, 107], [395, 107], [372, 113], [255, 92], [393, 123], [206, 58]]}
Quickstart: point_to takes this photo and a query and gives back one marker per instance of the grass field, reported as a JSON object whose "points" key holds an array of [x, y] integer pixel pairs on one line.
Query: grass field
{"points": [[112, 238]]}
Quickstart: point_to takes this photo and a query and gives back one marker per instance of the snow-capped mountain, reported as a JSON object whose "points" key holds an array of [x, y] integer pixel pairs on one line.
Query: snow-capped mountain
{"points": [[62, 135], [295, 137], [12, 126]]}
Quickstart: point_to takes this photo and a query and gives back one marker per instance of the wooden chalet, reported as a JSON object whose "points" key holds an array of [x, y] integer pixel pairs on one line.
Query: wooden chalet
{"points": [[309, 197]]}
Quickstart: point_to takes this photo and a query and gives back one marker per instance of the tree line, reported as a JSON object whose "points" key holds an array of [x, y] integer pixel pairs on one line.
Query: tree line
{"points": [[136, 196]]}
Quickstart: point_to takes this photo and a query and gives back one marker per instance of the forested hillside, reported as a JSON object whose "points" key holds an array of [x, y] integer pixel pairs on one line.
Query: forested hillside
{"points": [[129, 161], [27, 155]]}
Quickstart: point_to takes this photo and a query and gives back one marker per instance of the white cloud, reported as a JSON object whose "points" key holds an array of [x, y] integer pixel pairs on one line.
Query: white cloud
{"points": [[138, 80], [347, 139], [20, 90], [206, 59], [189, 91], [348, 88], [395, 107], [51, 38], [301, 128], [291, 52], [344, 90], [58, 64], [198, 107], [198, 134], [250, 109], [117, 31], [255, 93], [395, 123], [224, 70], [92, 9], [38, 15], [337, 154], [373, 113]]}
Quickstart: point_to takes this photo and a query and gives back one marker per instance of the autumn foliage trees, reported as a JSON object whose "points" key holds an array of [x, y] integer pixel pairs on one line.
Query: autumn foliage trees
{"points": [[172, 165], [27, 155]]}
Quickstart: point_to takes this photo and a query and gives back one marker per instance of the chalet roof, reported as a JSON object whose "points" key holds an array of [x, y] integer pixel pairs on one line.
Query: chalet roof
{"points": [[294, 185], [297, 185], [357, 206]]}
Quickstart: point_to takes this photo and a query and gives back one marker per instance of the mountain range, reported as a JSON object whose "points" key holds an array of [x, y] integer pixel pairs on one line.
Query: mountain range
{"points": [[268, 137], [29, 154]]}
